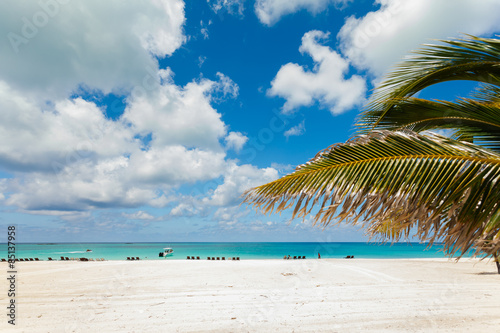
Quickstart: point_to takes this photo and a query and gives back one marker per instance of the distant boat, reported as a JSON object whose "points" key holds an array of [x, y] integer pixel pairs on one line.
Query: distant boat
{"points": [[167, 251], [88, 250]]}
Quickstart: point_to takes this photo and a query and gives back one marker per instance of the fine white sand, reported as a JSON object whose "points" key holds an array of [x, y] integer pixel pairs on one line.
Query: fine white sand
{"points": [[334, 295]]}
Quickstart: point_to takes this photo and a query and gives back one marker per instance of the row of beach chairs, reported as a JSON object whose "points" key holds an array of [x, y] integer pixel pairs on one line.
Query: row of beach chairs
{"points": [[213, 258], [294, 257], [132, 258], [77, 259], [62, 259]]}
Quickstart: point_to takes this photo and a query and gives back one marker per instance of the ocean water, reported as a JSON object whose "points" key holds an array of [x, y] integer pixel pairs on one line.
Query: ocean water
{"points": [[149, 251]]}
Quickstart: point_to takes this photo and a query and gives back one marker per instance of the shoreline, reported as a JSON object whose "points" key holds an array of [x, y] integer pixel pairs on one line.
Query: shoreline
{"points": [[308, 295]]}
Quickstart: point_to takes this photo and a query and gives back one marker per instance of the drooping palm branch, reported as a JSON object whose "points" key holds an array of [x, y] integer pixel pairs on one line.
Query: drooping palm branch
{"points": [[470, 119], [476, 59], [393, 181]]}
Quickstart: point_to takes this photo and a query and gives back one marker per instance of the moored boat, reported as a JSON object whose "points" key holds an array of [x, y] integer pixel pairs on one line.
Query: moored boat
{"points": [[167, 251]]}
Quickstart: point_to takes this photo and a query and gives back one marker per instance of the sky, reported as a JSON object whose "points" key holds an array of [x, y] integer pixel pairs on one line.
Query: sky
{"points": [[145, 121]]}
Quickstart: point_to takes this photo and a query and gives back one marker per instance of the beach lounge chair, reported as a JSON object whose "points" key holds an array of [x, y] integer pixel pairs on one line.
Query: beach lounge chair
{"points": [[49, 258], [67, 258], [208, 258], [218, 258], [237, 258], [26, 259], [294, 257], [137, 258], [234, 258], [3, 260], [31, 259], [128, 258], [188, 257], [21, 259], [223, 258], [197, 258], [213, 258]]}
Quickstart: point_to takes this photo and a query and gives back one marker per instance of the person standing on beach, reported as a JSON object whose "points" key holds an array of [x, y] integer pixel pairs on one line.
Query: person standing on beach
{"points": [[319, 256]]}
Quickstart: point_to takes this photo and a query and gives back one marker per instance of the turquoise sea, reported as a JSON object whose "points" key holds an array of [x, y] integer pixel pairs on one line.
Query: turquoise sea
{"points": [[149, 251]]}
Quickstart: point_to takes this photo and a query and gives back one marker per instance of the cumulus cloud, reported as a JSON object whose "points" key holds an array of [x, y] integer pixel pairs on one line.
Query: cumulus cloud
{"points": [[39, 138], [326, 83], [271, 11], [238, 179], [296, 130], [69, 156], [65, 156], [180, 115], [107, 46], [189, 206], [382, 37], [80, 186], [235, 141], [175, 165]]}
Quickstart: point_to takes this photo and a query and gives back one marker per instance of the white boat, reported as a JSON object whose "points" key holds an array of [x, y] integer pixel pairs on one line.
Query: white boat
{"points": [[167, 251]]}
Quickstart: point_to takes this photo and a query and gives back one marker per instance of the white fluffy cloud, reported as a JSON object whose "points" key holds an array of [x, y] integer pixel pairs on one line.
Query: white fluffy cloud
{"points": [[102, 45], [295, 130], [69, 156], [381, 38], [270, 11], [175, 165], [235, 140], [178, 115], [326, 83], [43, 138], [238, 179]]}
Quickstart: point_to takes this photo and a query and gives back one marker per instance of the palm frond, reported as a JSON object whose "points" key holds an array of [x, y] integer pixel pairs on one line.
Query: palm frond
{"points": [[487, 93], [395, 181], [474, 58], [473, 119]]}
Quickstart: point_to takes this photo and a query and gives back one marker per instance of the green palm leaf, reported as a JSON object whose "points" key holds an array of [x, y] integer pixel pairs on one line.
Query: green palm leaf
{"points": [[395, 181], [475, 58], [470, 118]]}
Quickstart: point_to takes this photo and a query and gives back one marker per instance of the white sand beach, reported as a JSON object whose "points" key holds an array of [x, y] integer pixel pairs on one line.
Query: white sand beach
{"points": [[331, 295]]}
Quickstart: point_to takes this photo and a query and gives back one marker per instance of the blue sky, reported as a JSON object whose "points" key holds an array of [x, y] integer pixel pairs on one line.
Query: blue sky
{"points": [[146, 121]]}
